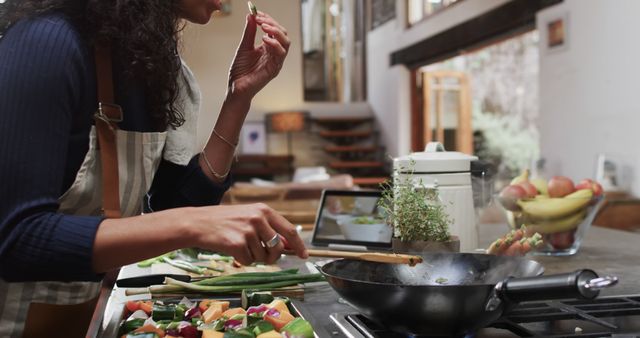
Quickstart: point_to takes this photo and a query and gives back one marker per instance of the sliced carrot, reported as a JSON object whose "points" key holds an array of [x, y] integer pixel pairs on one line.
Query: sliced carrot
{"points": [[132, 306], [150, 329], [514, 250], [147, 307]]}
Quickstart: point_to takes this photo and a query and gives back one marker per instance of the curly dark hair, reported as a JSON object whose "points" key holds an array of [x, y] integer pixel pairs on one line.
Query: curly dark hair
{"points": [[143, 35]]}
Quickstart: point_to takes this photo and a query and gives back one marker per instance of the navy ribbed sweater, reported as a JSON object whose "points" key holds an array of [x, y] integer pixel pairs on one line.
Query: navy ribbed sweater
{"points": [[47, 99]]}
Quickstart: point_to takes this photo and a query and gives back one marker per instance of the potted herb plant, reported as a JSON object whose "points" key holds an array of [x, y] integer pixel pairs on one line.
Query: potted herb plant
{"points": [[418, 217]]}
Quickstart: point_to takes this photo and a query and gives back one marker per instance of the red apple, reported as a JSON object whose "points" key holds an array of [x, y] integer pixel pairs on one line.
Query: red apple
{"points": [[529, 188], [560, 186], [510, 195], [590, 184], [562, 240]]}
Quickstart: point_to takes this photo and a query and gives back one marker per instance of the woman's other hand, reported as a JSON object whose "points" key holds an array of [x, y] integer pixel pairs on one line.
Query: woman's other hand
{"points": [[254, 66], [242, 230]]}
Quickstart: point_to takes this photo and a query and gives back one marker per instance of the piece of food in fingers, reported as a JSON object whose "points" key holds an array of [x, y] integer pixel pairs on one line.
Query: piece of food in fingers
{"points": [[252, 8]]}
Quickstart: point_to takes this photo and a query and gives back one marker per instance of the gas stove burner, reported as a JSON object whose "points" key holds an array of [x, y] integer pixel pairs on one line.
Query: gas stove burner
{"points": [[617, 317]]}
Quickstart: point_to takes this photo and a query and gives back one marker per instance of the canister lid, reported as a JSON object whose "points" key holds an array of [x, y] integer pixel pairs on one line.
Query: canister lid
{"points": [[434, 159]]}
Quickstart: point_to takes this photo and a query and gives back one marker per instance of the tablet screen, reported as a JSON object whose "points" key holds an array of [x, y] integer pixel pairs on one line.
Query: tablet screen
{"points": [[351, 217]]}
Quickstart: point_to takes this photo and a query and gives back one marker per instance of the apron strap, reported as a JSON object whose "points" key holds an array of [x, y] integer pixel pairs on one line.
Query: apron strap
{"points": [[106, 119], [42, 318]]}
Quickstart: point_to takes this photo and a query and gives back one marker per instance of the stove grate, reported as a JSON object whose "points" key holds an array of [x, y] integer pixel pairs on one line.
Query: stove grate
{"points": [[615, 317]]}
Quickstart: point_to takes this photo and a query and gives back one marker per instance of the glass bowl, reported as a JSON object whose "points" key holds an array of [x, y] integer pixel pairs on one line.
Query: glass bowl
{"points": [[562, 221]]}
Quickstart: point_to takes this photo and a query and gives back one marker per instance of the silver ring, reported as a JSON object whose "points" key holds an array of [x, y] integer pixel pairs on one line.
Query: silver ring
{"points": [[273, 241]]}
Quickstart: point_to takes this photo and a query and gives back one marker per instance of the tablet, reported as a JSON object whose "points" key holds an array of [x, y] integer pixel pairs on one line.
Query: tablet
{"points": [[351, 219]]}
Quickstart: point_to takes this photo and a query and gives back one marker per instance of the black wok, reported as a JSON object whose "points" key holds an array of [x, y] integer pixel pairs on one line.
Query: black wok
{"points": [[451, 294]]}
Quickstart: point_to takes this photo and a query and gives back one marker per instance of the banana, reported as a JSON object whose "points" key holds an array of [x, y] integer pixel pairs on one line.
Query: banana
{"points": [[582, 193], [511, 219], [541, 186], [559, 225], [524, 176], [543, 209]]}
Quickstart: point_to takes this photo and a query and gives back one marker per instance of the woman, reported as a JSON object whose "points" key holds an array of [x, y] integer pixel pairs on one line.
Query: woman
{"points": [[54, 242]]}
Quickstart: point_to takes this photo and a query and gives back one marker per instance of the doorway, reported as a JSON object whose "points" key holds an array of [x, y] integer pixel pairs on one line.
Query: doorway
{"points": [[484, 102]]}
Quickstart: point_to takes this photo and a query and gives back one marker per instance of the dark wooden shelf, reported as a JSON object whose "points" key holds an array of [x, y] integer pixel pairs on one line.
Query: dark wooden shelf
{"points": [[345, 133], [355, 164], [353, 145], [351, 149], [341, 123], [262, 166]]}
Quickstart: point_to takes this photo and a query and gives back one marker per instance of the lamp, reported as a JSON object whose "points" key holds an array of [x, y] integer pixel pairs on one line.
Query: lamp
{"points": [[287, 122]]}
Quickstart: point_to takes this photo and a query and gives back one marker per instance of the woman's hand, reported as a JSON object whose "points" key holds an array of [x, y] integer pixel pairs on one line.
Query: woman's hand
{"points": [[254, 66], [241, 231], [236, 230]]}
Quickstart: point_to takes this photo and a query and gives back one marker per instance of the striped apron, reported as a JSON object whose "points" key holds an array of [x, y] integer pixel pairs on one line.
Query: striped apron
{"points": [[139, 156]]}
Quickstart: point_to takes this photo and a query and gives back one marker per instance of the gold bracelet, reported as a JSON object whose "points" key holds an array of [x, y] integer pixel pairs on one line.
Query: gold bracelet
{"points": [[232, 145], [213, 172]]}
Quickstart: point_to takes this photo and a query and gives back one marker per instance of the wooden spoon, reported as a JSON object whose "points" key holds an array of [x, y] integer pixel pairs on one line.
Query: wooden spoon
{"points": [[365, 256]]}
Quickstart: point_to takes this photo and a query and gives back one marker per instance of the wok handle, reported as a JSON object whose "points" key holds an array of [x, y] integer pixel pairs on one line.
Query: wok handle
{"points": [[581, 284]]}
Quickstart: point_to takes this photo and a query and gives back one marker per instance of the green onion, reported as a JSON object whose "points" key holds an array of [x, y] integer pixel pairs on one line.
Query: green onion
{"points": [[184, 265], [255, 280], [235, 288], [148, 262]]}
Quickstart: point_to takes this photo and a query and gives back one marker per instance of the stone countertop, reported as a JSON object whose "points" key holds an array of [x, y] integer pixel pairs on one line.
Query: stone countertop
{"points": [[603, 250]]}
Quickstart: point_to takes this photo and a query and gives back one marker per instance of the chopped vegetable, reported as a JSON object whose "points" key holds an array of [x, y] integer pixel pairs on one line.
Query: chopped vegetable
{"points": [[270, 334], [441, 280], [214, 312], [232, 312], [148, 262], [515, 243], [261, 327], [215, 257], [142, 335], [298, 328], [149, 328], [252, 8], [163, 312], [208, 333], [184, 265], [272, 320], [252, 298], [130, 325]]}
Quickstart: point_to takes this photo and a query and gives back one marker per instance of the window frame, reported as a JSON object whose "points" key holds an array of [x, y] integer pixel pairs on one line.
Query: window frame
{"points": [[408, 23]]}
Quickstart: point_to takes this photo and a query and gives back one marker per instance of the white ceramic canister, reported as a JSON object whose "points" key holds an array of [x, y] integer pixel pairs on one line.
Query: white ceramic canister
{"points": [[451, 172]]}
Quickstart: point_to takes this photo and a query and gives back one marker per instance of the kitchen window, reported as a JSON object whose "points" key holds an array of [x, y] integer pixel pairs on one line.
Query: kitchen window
{"points": [[418, 10]]}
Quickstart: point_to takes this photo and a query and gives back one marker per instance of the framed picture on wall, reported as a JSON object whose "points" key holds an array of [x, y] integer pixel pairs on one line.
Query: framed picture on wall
{"points": [[253, 138], [556, 33]]}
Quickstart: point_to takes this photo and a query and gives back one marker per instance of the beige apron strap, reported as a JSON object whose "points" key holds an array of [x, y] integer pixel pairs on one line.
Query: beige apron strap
{"points": [[106, 119]]}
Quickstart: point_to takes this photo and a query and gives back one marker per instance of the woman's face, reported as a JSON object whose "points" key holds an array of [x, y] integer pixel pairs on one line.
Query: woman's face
{"points": [[198, 11]]}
